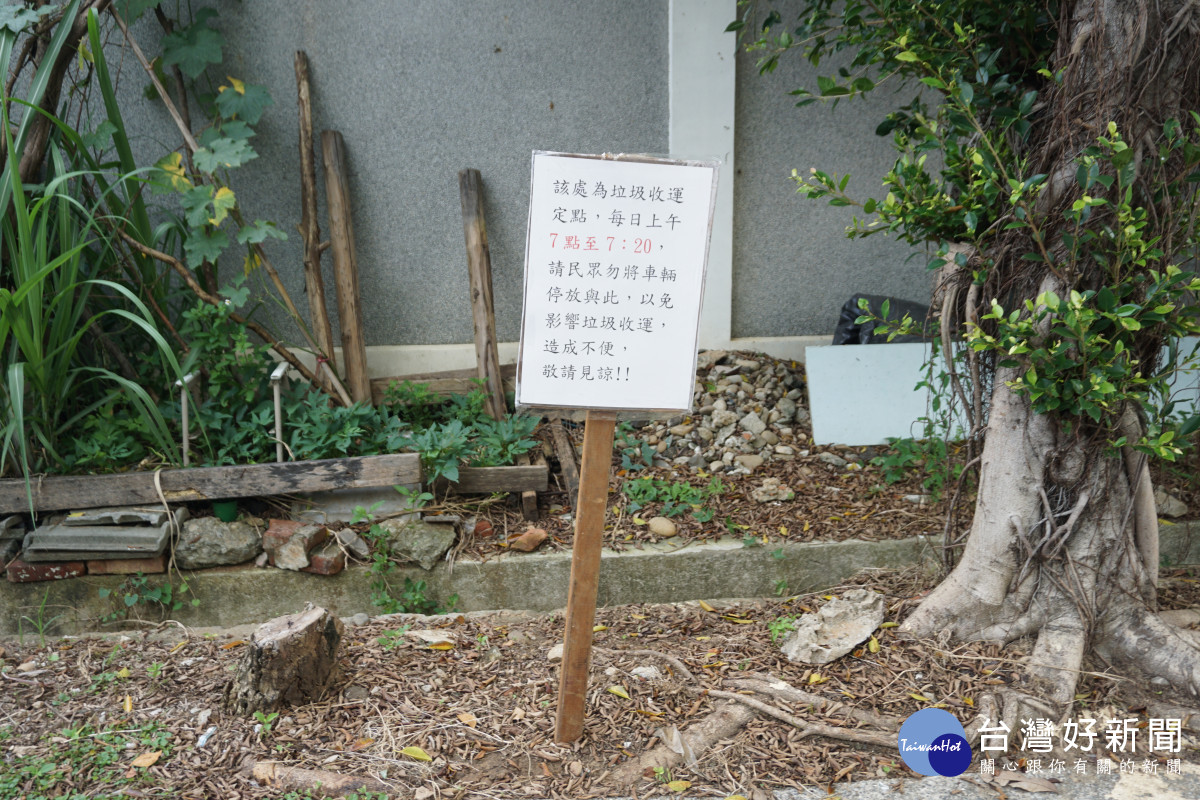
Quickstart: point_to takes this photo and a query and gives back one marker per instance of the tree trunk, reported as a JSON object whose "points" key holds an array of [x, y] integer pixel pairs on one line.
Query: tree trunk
{"points": [[291, 660], [1063, 546]]}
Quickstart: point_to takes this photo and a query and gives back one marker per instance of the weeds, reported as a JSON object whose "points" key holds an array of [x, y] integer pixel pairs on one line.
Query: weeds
{"points": [[676, 497]]}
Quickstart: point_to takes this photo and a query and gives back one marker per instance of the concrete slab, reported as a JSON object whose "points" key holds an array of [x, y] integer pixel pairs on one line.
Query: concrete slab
{"points": [[518, 581]]}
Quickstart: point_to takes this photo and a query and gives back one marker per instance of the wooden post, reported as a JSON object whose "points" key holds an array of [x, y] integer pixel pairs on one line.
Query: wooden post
{"points": [[585, 573], [479, 264], [345, 266], [310, 228]]}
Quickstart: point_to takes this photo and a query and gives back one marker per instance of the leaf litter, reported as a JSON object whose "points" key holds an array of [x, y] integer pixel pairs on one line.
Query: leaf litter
{"points": [[478, 720]]}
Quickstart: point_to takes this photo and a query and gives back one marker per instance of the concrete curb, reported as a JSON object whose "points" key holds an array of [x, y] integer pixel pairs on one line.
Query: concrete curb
{"points": [[666, 572]]}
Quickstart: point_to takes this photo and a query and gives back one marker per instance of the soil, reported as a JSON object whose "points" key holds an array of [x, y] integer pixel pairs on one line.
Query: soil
{"points": [[482, 710]]}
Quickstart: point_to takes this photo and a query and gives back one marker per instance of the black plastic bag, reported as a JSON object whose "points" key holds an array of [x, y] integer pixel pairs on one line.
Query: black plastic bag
{"points": [[848, 331]]}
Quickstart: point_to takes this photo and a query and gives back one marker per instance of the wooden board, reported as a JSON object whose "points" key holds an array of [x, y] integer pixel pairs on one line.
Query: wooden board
{"points": [[485, 480], [456, 381], [210, 483]]}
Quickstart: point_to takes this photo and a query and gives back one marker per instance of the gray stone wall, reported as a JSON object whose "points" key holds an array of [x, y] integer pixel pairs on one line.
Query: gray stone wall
{"points": [[793, 266], [420, 90]]}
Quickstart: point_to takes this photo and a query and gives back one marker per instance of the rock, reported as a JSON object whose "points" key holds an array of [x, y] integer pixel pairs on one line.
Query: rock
{"points": [[355, 545], [359, 619], [1168, 505], [832, 459], [723, 419], [528, 541], [555, 653], [209, 542], [769, 437], [919, 499], [418, 540], [786, 408], [772, 490], [649, 673], [293, 554], [752, 423], [710, 358], [784, 450], [662, 527], [749, 461], [429, 638], [705, 433], [840, 626], [682, 430]]}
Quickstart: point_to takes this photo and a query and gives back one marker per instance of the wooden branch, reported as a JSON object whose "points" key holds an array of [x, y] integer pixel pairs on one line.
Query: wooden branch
{"points": [[190, 279], [310, 227], [235, 213], [184, 129], [40, 127], [60, 492], [479, 266], [345, 265], [566, 459], [295, 779]]}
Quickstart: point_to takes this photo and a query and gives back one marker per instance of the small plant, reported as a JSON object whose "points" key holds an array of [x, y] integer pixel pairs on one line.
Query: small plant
{"points": [[635, 453], [155, 670], [662, 774], [781, 588], [390, 640], [781, 626], [137, 592], [676, 497], [38, 623], [265, 723]]}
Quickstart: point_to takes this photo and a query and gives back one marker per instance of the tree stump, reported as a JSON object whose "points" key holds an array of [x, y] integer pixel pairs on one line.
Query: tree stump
{"points": [[290, 661]]}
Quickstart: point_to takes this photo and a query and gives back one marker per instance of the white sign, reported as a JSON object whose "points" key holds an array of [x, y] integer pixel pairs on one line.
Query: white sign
{"points": [[614, 279]]}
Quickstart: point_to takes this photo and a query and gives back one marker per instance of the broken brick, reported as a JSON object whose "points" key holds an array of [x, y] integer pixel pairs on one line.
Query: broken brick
{"points": [[288, 542], [128, 566], [19, 571], [328, 560]]}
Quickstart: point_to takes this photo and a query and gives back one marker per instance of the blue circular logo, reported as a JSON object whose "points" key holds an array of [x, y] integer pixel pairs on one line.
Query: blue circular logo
{"points": [[933, 742]]}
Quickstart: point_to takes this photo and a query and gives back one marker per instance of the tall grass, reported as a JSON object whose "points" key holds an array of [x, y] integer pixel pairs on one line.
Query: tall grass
{"points": [[57, 261]]}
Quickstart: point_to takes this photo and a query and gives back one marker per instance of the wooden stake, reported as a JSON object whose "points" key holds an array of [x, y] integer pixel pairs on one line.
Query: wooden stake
{"points": [[345, 266], [585, 573], [479, 264], [310, 228]]}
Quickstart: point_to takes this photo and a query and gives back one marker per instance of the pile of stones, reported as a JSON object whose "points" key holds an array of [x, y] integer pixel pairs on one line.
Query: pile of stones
{"points": [[749, 409]]}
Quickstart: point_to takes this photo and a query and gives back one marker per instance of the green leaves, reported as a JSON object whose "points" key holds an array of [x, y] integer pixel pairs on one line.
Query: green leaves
{"points": [[246, 102], [17, 18], [223, 152], [195, 47]]}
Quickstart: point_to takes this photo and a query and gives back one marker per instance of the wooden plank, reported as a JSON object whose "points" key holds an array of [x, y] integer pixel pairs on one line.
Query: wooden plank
{"points": [[345, 266], [458, 381], [485, 480], [479, 265], [57, 492], [585, 574], [310, 227], [566, 460], [529, 498]]}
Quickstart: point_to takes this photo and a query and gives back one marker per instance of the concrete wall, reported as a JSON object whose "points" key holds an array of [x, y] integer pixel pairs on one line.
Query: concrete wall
{"points": [[422, 89]]}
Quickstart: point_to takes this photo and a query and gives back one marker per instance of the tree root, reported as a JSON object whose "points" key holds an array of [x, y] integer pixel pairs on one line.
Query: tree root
{"points": [[774, 687], [725, 721], [295, 779]]}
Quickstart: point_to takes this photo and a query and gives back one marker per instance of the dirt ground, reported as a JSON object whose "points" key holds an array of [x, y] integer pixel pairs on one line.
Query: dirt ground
{"points": [[140, 713]]}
